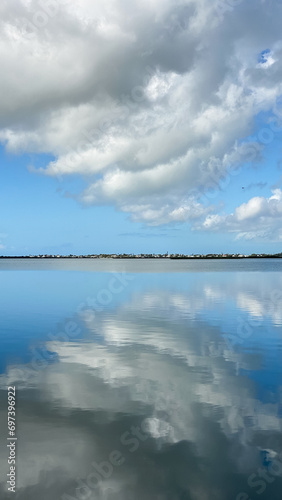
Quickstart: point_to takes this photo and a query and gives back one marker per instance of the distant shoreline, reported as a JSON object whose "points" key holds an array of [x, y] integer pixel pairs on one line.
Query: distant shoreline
{"points": [[147, 256]]}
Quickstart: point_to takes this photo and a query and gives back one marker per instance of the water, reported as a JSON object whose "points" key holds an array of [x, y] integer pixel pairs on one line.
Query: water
{"points": [[142, 379]]}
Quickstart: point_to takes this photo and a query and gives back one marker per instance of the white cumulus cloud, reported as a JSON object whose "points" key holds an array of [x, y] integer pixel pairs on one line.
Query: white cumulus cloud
{"points": [[148, 101], [258, 218]]}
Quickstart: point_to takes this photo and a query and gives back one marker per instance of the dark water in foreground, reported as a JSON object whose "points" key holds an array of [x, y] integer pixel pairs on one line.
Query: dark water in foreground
{"points": [[142, 380]]}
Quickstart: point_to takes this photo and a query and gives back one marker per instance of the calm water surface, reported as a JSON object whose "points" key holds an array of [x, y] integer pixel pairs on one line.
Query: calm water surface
{"points": [[158, 380]]}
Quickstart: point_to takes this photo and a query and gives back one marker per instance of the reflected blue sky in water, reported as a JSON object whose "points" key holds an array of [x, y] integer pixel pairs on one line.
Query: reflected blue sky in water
{"points": [[195, 355]]}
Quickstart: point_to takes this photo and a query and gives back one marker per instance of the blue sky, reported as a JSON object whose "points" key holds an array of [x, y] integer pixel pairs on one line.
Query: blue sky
{"points": [[110, 141]]}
